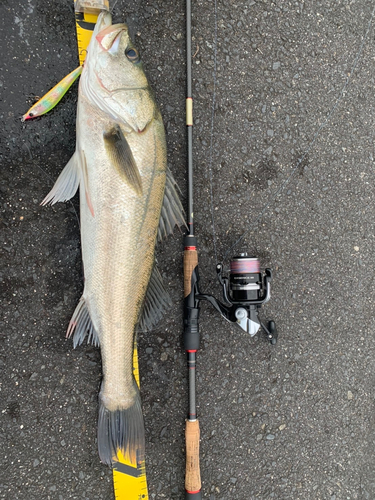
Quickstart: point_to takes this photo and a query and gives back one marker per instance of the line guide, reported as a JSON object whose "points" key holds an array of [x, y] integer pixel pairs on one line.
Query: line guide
{"points": [[129, 482]]}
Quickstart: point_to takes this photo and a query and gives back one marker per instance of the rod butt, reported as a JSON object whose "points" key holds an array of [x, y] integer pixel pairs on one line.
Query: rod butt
{"points": [[192, 475], [193, 496]]}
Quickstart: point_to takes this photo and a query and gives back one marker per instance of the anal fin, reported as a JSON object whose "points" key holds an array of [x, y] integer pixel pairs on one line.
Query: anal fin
{"points": [[81, 326]]}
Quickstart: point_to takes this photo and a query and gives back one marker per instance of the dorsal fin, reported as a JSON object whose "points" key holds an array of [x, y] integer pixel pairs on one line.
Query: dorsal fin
{"points": [[172, 213], [157, 301]]}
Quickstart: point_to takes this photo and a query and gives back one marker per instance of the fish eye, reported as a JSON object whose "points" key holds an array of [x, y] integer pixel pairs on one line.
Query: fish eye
{"points": [[31, 114], [132, 55]]}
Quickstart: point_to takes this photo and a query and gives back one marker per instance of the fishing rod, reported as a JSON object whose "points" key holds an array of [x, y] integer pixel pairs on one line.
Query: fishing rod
{"points": [[191, 335], [244, 292]]}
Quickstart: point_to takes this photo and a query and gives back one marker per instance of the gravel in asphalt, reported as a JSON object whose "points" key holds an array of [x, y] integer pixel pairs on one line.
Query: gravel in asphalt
{"points": [[291, 421]]}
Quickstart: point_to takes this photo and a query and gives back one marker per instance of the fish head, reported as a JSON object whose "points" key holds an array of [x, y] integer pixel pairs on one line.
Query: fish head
{"points": [[117, 62], [113, 77]]}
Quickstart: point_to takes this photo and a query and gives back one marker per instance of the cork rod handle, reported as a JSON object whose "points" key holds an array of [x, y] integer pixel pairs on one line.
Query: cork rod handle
{"points": [[192, 474], [190, 263]]}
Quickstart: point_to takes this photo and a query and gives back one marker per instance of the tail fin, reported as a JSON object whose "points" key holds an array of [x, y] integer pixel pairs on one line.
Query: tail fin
{"points": [[121, 430]]}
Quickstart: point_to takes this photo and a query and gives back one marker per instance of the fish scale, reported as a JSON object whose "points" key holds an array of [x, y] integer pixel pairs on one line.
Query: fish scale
{"points": [[120, 166]]}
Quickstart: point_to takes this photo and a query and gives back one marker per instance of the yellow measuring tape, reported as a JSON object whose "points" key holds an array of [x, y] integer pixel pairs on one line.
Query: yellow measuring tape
{"points": [[129, 482]]}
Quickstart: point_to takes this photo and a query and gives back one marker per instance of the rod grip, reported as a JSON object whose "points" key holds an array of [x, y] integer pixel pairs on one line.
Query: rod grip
{"points": [[190, 263], [192, 473], [191, 336]]}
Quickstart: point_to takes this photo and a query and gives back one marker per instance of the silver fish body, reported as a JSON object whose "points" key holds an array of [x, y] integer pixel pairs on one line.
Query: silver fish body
{"points": [[120, 166], [118, 243]]}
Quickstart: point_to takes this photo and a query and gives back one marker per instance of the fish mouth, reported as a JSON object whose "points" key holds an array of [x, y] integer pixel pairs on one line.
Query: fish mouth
{"points": [[121, 89], [127, 88], [110, 36]]}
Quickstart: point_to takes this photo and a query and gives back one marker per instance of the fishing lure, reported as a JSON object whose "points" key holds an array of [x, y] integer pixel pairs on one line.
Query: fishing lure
{"points": [[54, 96]]}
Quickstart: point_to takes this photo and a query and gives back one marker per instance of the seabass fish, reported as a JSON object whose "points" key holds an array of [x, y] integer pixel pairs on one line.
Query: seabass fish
{"points": [[127, 199]]}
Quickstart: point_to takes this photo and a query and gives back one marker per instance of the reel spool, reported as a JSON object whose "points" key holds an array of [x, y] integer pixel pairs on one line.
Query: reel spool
{"points": [[245, 278]]}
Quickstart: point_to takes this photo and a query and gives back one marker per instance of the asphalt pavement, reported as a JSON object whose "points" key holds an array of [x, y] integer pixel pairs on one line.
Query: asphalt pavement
{"points": [[291, 84]]}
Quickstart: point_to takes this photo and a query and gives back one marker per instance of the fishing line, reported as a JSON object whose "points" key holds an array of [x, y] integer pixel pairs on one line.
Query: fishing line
{"points": [[212, 133], [312, 142], [113, 7], [300, 160]]}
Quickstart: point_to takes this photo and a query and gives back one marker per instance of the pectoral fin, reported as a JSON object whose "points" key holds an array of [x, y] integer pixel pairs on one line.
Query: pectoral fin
{"points": [[122, 158]]}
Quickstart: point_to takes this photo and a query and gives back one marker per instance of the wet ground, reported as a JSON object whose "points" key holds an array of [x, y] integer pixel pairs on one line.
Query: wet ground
{"points": [[293, 90]]}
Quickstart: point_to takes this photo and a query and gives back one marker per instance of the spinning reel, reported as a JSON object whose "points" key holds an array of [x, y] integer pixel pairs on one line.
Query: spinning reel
{"points": [[244, 292]]}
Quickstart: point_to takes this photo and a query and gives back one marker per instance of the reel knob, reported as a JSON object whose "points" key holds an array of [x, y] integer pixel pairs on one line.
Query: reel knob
{"points": [[240, 313], [247, 320]]}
